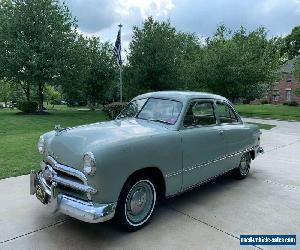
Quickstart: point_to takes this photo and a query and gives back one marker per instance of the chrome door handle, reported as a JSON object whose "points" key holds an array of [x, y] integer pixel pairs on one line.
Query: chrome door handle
{"points": [[221, 132]]}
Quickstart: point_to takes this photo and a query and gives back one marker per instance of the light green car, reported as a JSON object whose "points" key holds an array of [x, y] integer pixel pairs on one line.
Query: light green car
{"points": [[160, 145]]}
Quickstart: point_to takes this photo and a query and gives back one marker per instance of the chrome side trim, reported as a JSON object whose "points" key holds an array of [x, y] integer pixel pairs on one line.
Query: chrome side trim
{"points": [[199, 184], [172, 174], [207, 180]]}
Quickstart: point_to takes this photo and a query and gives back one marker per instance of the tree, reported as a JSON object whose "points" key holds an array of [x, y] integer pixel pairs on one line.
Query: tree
{"points": [[92, 73], [52, 95], [239, 64], [236, 64], [156, 58], [10, 92], [101, 71], [72, 81], [292, 43], [6, 91], [189, 59], [35, 37]]}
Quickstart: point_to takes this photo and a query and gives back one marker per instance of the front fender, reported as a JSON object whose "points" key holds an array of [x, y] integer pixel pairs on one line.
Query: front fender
{"points": [[118, 161]]}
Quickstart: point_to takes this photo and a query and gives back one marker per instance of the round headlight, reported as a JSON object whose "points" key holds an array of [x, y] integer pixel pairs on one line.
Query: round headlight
{"points": [[41, 145], [89, 163]]}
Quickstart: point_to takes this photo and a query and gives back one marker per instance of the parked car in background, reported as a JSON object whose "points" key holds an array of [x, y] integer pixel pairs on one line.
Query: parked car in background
{"points": [[8, 105], [160, 145]]}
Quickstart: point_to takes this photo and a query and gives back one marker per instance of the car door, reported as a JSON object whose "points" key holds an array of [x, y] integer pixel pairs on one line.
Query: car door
{"points": [[202, 142], [235, 134]]}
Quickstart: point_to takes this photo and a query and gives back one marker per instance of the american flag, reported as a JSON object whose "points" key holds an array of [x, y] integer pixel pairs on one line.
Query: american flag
{"points": [[117, 48]]}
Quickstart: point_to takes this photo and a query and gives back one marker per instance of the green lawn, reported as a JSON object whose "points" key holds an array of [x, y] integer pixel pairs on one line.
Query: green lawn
{"points": [[19, 135], [263, 126], [283, 112]]}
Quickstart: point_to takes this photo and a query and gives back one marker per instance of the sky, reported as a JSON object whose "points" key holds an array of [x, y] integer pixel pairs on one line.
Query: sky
{"points": [[101, 17]]}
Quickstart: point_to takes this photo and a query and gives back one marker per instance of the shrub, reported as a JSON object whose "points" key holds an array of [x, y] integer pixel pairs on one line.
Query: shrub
{"points": [[264, 101], [246, 101], [293, 103], [113, 109], [285, 103], [28, 107]]}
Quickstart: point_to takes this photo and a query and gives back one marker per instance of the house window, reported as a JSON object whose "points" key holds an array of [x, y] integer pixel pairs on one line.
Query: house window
{"points": [[275, 98], [288, 95]]}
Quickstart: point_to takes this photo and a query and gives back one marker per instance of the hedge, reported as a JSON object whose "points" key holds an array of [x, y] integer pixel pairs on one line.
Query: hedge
{"points": [[28, 107], [113, 109]]}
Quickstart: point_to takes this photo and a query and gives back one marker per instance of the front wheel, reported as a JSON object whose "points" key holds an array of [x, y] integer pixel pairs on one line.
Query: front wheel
{"points": [[137, 203], [243, 169]]}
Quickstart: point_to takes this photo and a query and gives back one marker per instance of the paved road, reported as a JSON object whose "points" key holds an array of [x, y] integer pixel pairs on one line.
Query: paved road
{"points": [[210, 217]]}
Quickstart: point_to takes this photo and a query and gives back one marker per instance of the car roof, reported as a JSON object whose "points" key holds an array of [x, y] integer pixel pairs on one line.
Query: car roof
{"points": [[182, 96]]}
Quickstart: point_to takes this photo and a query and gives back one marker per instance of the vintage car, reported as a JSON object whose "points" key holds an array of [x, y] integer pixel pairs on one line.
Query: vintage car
{"points": [[160, 145]]}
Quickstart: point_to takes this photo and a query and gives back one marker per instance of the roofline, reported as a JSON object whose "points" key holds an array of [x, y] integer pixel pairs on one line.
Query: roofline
{"points": [[182, 96]]}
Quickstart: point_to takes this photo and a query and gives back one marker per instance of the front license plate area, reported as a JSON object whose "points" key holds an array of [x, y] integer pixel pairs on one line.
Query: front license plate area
{"points": [[41, 194]]}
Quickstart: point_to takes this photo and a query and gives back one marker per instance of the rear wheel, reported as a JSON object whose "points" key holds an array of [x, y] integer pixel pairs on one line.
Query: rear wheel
{"points": [[244, 167], [137, 203]]}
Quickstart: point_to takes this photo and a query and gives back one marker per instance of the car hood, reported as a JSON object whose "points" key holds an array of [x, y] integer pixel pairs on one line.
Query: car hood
{"points": [[68, 146]]}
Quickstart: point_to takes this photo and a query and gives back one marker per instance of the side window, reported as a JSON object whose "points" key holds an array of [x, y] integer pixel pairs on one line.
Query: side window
{"points": [[200, 114], [226, 113]]}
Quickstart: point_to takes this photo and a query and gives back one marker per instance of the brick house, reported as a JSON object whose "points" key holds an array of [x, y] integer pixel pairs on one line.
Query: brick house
{"points": [[283, 91]]}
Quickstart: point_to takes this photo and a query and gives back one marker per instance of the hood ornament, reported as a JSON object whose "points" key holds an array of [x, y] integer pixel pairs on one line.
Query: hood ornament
{"points": [[58, 129]]}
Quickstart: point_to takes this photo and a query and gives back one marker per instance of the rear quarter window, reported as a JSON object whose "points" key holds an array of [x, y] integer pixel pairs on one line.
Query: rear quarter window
{"points": [[226, 113]]}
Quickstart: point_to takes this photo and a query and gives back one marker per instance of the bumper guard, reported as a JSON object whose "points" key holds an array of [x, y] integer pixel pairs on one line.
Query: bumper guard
{"points": [[87, 211]]}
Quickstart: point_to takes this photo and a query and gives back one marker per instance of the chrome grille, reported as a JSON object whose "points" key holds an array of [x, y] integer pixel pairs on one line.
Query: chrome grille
{"points": [[65, 177], [65, 170]]}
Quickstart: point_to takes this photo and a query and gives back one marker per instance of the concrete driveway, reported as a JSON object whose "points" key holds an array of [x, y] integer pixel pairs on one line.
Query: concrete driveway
{"points": [[210, 217]]}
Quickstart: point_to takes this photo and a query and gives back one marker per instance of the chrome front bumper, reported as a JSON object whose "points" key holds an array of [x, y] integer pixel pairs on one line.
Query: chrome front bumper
{"points": [[87, 211]]}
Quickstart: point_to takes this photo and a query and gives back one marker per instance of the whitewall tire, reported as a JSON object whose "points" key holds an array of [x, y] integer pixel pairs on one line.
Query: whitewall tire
{"points": [[137, 203]]}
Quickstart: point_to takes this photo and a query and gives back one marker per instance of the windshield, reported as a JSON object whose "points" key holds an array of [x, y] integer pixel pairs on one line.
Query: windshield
{"points": [[153, 109], [160, 110]]}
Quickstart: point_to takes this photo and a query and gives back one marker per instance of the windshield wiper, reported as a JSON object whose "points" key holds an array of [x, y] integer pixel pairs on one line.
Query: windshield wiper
{"points": [[157, 120]]}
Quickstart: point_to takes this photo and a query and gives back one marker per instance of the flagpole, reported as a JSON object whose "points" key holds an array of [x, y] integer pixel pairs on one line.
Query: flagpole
{"points": [[120, 69], [121, 87]]}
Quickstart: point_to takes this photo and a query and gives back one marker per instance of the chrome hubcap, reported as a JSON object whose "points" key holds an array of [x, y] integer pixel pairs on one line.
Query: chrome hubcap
{"points": [[138, 201]]}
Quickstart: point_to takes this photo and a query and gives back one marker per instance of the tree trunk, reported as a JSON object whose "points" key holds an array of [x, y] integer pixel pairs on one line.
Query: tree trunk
{"points": [[26, 88], [27, 92], [41, 97]]}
